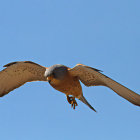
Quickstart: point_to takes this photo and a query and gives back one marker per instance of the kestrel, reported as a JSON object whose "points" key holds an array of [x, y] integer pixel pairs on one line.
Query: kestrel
{"points": [[63, 79]]}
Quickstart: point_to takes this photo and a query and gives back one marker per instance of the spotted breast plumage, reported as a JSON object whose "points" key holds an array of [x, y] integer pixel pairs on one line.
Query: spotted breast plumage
{"points": [[63, 79]]}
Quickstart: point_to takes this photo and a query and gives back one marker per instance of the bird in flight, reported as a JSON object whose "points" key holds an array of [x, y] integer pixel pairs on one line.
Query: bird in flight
{"points": [[62, 78]]}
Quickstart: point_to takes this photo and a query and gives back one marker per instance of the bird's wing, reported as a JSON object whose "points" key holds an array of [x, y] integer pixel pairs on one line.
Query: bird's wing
{"points": [[18, 73], [92, 77]]}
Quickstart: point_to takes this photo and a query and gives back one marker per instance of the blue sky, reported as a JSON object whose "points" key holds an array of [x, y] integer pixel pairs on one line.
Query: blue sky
{"points": [[102, 34]]}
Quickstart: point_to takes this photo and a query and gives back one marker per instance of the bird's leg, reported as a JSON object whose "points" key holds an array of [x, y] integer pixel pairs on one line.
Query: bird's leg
{"points": [[72, 101]]}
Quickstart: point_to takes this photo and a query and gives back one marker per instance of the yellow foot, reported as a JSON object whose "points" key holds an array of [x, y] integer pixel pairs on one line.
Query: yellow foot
{"points": [[72, 101]]}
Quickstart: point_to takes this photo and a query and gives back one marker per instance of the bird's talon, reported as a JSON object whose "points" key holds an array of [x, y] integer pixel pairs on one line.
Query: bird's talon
{"points": [[72, 101]]}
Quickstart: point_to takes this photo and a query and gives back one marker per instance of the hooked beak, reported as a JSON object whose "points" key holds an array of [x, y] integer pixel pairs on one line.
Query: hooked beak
{"points": [[49, 78]]}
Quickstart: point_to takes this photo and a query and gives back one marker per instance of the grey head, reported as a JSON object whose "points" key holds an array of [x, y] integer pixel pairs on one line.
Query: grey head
{"points": [[58, 71]]}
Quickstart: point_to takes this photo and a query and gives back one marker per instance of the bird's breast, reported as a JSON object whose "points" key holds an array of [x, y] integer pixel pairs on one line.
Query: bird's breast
{"points": [[69, 85]]}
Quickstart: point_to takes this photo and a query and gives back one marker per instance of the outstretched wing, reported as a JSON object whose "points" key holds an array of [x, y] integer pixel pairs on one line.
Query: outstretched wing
{"points": [[18, 73], [92, 77]]}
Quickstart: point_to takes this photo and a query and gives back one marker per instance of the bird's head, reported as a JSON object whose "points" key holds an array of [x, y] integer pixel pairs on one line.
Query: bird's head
{"points": [[57, 71]]}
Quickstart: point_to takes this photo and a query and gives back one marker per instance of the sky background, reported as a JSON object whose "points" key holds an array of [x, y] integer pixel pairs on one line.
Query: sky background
{"points": [[104, 34]]}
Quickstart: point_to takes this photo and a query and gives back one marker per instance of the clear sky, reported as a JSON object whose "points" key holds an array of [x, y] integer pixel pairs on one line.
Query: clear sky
{"points": [[104, 34]]}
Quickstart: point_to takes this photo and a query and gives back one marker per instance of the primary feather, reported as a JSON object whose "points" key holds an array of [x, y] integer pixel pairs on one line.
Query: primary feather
{"points": [[18, 73], [92, 77]]}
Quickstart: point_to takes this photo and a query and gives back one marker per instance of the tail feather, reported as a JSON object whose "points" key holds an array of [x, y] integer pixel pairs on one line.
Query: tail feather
{"points": [[82, 98]]}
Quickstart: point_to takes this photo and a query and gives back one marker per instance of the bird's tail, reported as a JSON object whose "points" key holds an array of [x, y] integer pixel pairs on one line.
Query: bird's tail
{"points": [[82, 98]]}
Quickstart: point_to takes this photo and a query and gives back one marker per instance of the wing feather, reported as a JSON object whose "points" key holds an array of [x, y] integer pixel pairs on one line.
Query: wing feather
{"points": [[92, 77], [18, 73]]}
